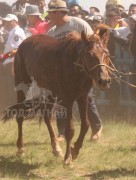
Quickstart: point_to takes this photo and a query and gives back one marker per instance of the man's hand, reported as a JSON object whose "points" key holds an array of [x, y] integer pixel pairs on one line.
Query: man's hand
{"points": [[11, 53]]}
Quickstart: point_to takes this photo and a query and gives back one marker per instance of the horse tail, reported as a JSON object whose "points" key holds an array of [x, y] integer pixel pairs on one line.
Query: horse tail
{"points": [[27, 109], [20, 71]]}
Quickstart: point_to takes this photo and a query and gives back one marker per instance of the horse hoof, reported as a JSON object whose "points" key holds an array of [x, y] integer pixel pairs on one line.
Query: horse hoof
{"points": [[20, 152], [58, 154], [68, 163], [57, 151]]}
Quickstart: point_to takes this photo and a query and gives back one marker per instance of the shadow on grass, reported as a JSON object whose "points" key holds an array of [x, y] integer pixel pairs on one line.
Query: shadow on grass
{"points": [[13, 166], [116, 173]]}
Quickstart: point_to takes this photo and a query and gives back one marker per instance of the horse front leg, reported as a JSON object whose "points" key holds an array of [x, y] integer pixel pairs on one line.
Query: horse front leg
{"points": [[82, 104], [47, 114], [69, 133]]}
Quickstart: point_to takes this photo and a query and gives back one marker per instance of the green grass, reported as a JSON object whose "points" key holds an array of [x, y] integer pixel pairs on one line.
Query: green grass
{"points": [[112, 157]]}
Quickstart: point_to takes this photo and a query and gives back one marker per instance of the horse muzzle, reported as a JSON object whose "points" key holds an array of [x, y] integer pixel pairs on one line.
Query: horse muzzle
{"points": [[104, 83]]}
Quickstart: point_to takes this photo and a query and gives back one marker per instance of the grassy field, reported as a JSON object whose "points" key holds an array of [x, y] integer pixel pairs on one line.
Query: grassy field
{"points": [[112, 157]]}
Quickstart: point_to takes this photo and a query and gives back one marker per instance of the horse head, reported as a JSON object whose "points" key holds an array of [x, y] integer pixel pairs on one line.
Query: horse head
{"points": [[95, 59]]}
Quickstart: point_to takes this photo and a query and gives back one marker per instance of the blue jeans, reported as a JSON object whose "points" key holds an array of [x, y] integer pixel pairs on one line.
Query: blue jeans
{"points": [[93, 115]]}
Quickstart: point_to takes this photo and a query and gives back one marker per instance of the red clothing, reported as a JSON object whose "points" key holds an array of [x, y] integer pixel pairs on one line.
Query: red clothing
{"points": [[39, 28]]}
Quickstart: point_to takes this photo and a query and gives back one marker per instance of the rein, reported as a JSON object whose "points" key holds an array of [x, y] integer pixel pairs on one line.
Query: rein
{"points": [[121, 80], [121, 74], [88, 70], [84, 67]]}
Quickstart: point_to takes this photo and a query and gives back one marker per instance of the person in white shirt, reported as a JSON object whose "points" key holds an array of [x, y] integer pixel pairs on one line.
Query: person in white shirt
{"points": [[15, 34], [14, 38]]}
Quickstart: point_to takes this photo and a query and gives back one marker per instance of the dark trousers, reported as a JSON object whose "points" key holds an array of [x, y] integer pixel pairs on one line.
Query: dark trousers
{"points": [[93, 115]]}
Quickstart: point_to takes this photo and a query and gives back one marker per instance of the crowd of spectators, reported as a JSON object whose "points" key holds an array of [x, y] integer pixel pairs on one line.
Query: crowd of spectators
{"points": [[33, 17]]}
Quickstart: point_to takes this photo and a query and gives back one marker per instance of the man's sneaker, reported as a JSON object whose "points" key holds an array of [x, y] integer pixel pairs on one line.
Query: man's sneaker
{"points": [[96, 135]]}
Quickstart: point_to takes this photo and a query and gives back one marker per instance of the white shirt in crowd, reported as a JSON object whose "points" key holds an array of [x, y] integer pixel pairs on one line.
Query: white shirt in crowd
{"points": [[123, 31], [15, 38]]}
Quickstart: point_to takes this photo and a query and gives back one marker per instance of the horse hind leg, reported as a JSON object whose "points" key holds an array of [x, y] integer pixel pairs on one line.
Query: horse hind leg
{"points": [[21, 78], [82, 104], [20, 118], [47, 114]]}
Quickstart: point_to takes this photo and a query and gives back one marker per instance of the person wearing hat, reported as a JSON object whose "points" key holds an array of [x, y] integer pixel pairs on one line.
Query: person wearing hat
{"points": [[112, 3], [64, 24], [124, 35], [18, 8], [94, 10], [15, 34], [35, 24], [94, 21], [15, 37]]}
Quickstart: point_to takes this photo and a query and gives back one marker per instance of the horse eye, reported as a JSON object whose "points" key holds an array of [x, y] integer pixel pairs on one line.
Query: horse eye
{"points": [[107, 55]]}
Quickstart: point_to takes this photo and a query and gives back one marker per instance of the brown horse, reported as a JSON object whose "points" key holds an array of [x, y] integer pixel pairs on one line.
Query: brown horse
{"points": [[68, 68]]}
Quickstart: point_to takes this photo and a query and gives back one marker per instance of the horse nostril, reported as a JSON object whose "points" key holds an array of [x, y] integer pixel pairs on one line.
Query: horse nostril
{"points": [[104, 81]]}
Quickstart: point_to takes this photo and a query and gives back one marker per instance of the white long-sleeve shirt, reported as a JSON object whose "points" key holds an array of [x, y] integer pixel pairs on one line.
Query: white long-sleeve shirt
{"points": [[15, 38]]}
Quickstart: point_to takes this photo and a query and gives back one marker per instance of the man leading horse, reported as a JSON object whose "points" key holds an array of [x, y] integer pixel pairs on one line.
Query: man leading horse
{"points": [[64, 24]]}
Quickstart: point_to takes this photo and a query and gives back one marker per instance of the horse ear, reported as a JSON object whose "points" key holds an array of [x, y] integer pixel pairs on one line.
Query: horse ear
{"points": [[83, 36], [103, 32]]}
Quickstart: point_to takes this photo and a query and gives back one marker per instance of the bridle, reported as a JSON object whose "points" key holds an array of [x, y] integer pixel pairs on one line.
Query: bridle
{"points": [[112, 70], [84, 66]]}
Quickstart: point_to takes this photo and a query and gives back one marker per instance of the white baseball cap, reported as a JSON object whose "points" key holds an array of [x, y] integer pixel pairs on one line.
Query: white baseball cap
{"points": [[94, 18], [10, 17]]}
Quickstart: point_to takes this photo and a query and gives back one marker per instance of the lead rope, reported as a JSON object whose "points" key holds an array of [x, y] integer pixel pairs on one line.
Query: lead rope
{"points": [[121, 80], [110, 69]]}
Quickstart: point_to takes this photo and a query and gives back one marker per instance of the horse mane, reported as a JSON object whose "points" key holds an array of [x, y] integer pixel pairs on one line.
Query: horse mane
{"points": [[70, 42], [73, 41]]}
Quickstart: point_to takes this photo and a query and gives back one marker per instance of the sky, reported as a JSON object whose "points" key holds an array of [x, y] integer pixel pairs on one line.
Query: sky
{"points": [[87, 3]]}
